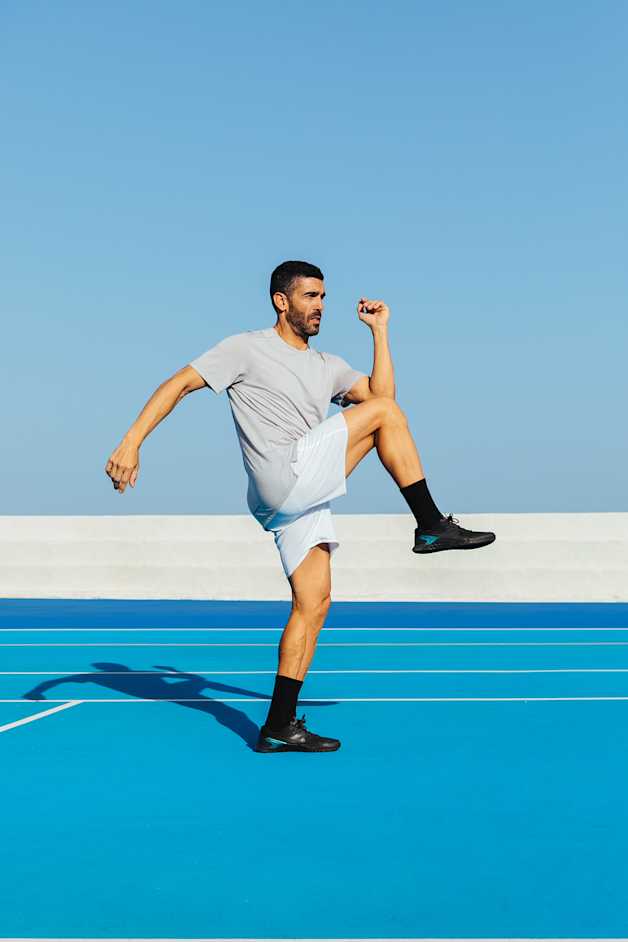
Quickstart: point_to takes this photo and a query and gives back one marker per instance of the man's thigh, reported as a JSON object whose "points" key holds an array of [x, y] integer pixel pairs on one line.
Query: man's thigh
{"points": [[363, 421], [365, 418], [358, 451], [311, 580]]}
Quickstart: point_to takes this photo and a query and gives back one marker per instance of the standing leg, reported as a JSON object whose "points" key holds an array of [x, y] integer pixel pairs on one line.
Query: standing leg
{"points": [[311, 598]]}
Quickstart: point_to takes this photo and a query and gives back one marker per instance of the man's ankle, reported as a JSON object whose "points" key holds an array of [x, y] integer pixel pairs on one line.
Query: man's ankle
{"points": [[420, 502], [284, 702]]}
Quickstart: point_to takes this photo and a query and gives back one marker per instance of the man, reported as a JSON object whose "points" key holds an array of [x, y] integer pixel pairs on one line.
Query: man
{"points": [[297, 460]]}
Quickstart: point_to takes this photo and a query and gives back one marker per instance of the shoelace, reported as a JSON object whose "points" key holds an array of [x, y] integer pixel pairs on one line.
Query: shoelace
{"points": [[452, 519], [300, 724]]}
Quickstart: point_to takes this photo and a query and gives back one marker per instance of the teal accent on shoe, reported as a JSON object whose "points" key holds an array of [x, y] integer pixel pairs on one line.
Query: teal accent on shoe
{"points": [[274, 742], [428, 539]]}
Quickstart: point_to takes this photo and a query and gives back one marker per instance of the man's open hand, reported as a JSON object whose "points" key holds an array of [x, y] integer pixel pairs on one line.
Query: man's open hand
{"points": [[373, 313], [123, 466]]}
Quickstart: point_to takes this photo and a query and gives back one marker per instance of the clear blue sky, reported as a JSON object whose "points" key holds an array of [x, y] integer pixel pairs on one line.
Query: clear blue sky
{"points": [[465, 162]]}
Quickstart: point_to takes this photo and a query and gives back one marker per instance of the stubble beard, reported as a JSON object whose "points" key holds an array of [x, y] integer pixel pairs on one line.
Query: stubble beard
{"points": [[301, 325]]}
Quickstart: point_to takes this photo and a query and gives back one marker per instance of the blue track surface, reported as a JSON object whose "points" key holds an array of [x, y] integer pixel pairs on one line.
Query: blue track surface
{"points": [[477, 793]]}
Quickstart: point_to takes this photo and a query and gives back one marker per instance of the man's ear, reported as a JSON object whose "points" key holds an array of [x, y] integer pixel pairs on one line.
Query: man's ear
{"points": [[281, 301]]}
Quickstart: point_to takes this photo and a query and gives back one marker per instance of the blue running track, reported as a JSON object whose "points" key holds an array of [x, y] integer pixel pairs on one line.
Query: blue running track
{"points": [[480, 790]]}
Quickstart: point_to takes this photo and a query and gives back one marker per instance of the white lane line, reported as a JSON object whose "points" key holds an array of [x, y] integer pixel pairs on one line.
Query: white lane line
{"points": [[37, 716], [321, 644], [371, 939], [198, 670], [381, 628], [314, 700]]}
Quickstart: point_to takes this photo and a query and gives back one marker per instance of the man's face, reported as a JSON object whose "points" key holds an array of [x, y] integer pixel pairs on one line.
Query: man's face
{"points": [[305, 306]]}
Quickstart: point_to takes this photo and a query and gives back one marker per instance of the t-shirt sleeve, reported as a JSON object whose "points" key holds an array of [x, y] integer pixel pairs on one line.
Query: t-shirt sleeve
{"points": [[223, 364], [344, 377]]}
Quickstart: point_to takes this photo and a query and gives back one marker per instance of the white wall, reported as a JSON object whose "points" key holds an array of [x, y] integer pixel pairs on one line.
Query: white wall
{"points": [[537, 557]]}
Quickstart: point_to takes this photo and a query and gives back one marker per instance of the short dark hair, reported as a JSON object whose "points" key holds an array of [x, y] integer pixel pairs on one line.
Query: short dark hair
{"points": [[285, 274]]}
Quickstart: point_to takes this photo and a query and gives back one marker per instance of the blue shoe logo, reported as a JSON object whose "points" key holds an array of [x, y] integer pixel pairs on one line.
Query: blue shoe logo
{"points": [[428, 539]]}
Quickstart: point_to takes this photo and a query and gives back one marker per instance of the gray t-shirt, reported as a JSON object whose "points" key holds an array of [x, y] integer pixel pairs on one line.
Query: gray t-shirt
{"points": [[276, 393]]}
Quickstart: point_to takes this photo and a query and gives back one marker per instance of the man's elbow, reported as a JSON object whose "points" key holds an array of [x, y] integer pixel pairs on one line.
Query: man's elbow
{"points": [[186, 380], [389, 393]]}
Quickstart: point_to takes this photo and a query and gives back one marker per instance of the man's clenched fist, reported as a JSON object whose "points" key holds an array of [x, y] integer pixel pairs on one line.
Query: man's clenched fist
{"points": [[373, 313], [123, 466]]}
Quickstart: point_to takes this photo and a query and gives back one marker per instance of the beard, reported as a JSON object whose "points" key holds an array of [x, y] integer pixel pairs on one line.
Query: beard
{"points": [[302, 324]]}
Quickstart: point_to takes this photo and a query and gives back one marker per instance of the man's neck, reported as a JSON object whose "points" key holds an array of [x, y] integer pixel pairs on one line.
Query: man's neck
{"points": [[294, 340]]}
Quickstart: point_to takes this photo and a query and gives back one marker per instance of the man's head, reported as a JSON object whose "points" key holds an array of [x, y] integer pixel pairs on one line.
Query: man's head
{"points": [[297, 292]]}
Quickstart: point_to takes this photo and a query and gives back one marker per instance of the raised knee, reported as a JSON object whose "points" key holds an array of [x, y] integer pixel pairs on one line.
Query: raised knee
{"points": [[390, 410]]}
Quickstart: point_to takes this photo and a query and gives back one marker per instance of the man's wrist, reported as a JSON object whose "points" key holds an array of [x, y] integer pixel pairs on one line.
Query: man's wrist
{"points": [[380, 329], [133, 437]]}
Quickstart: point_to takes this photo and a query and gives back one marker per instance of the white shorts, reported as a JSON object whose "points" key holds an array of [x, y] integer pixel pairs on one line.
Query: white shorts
{"points": [[304, 519]]}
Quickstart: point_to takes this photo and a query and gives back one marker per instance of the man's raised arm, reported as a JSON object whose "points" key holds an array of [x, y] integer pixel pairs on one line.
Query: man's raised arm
{"points": [[123, 465]]}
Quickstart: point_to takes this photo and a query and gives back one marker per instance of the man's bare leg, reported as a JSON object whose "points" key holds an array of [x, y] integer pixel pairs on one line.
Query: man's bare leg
{"points": [[381, 423], [311, 598]]}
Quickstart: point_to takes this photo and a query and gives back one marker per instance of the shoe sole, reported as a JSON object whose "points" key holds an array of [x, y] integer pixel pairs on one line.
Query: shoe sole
{"points": [[441, 549], [287, 747]]}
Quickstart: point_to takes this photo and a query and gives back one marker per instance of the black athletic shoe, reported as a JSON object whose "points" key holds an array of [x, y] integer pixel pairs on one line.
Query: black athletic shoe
{"points": [[294, 738], [448, 535]]}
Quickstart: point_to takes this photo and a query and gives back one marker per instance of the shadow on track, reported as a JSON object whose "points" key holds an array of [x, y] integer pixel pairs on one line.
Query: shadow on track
{"points": [[153, 686]]}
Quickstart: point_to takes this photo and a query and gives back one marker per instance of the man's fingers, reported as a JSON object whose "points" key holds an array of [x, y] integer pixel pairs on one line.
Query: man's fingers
{"points": [[123, 479], [114, 474], [371, 305], [121, 475]]}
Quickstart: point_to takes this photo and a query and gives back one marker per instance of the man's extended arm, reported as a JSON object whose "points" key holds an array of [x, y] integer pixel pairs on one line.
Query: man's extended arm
{"points": [[123, 465]]}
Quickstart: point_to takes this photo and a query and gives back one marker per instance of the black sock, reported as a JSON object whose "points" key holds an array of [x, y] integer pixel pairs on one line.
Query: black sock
{"points": [[284, 703], [420, 502]]}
